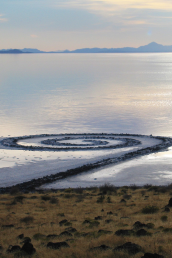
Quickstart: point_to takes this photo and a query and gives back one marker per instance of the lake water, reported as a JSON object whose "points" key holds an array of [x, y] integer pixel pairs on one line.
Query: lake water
{"points": [[84, 93]]}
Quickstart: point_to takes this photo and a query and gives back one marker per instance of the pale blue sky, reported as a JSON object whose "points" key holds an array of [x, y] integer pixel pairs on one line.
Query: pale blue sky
{"points": [[70, 24]]}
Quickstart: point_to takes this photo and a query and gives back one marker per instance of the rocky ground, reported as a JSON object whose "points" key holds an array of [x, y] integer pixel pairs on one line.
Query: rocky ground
{"points": [[95, 222]]}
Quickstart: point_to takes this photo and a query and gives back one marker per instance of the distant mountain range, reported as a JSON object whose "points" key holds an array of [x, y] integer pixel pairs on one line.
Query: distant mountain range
{"points": [[150, 48]]}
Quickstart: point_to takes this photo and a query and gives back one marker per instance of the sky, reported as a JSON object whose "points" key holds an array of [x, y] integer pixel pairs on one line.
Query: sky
{"points": [[52, 25]]}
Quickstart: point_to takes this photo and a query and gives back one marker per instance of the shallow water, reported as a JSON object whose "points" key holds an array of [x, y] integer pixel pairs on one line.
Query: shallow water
{"points": [[83, 93]]}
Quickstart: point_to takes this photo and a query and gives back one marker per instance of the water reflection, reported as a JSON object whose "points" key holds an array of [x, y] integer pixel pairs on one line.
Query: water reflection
{"points": [[111, 93], [86, 93]]}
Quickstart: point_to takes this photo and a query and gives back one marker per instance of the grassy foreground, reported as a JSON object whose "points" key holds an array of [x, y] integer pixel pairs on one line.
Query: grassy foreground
{"points": [[92, 222]]}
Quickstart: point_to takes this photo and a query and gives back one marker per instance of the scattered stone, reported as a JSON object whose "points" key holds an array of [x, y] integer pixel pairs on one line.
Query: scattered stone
{"points": [[8, 226], [28, 248], [13, 248], [123, 200], [26, 240], [142, 232], [62, 222], [65, 233], [131, 248], [98, 218], [170, 202], [102, 210], [100, 248], [86, 221], [57, 245], [124, 232], [21, 236], [149, 255], [138, 225], [109, 213], [108, 221]]}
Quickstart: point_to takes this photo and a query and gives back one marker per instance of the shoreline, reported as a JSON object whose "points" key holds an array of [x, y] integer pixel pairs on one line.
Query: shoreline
{"points": [[33, 184]]}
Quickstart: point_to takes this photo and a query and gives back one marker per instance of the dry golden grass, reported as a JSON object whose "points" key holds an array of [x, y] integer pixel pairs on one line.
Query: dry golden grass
{"points": [[37, 215]]}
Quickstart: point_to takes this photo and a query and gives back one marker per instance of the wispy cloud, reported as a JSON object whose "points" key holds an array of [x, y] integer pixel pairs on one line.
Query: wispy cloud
{"points": [[125, 12], [2, 19], [109, 6], [34, 36]]}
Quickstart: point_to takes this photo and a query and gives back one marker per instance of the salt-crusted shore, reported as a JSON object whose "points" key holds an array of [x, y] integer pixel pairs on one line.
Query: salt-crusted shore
{"points": [[131, 146]]}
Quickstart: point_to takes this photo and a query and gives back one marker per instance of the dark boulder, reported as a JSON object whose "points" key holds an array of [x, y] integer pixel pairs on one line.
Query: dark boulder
{"points": [[131, 248], [109, 213], [26, 240], [102, 210], [62, 222], [138, 225], [86, 221], [8, 226], [124, 232], [142, 232], [123, 200], [13, 248], [57, 245], [28, 248], [170, 202], [98, 218], [21, 236], [149, 255]]}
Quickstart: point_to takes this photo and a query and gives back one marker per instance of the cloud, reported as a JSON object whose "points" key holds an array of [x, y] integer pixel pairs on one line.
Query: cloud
{"points": [[3, 19], [34, 36], [107, 7], [126, 12]]}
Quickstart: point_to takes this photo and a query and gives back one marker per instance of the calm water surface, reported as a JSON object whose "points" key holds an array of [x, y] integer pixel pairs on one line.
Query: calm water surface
{"points": [[57, 93], [84, 93]]}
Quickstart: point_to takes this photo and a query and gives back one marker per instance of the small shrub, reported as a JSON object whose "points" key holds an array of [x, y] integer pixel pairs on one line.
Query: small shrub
{"points": [[54, 200], [27, 220], [78, 190], [150, 225], [67, 196], [38, 236], [14, 190], [134, 187], [68, 190], [109, 199], [153, 188], [45, 198], [100, 199], [150, 209], [147, 186], [68, 224], [61, 214], [164, 218], [107, 188], [19, 198]]}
